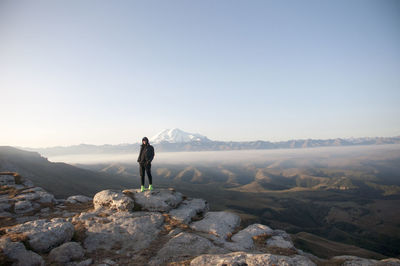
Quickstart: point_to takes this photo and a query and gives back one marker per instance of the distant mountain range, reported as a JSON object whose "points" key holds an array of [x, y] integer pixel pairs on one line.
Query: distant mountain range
{"points": [[178, 140]]}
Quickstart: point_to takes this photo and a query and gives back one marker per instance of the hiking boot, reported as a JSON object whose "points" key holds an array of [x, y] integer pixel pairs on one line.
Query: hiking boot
{"points": [[150, 187], [142, 188]]}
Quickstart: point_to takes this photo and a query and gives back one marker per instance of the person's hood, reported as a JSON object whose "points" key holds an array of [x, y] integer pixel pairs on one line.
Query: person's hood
{"points": [[146, 139]]}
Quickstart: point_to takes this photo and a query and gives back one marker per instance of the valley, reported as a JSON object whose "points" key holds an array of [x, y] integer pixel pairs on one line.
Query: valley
{"points": [[329, 199]]}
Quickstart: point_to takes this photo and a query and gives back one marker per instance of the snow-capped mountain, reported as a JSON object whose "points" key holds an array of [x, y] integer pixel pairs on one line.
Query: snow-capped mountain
{"points": [[176, 135]]}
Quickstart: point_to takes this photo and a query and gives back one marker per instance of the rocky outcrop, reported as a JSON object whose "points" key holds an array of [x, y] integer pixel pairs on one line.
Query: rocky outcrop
{"points": [[184, 245], [242, 258], [67, 252], [42, 235], [124, 231], [243, 240], [113, 200], [17, 253], [144, 228], [220, 224], [161, 200], [189, 209]]}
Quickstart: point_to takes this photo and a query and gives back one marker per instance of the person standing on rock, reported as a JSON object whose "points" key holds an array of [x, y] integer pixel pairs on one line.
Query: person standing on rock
{"points": [[146, 155]]}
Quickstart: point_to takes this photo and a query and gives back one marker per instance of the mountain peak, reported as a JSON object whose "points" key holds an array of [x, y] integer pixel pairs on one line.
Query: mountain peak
{"points": [[176, 135]]}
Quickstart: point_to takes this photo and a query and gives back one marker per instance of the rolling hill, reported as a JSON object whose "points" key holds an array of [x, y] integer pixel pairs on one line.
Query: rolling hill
{"points": [[59, 178]]}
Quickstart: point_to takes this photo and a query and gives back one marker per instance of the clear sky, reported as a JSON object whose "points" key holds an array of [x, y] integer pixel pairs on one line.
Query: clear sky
{"points": [[100, 72]]}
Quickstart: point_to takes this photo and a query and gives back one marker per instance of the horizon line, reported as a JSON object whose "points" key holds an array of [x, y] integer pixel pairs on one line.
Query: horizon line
{"points": [[126, 143]]}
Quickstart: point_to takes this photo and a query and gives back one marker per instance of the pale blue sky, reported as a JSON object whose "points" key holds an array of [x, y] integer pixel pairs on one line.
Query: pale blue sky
{"points": [[113, 71]]}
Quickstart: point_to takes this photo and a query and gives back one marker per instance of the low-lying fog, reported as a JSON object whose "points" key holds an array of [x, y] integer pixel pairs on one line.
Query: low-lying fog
{"points": [[380, 152]]}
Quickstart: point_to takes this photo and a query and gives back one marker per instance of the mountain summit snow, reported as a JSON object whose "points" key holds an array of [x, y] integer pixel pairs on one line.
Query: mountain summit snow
{"points": [[176, 135]]}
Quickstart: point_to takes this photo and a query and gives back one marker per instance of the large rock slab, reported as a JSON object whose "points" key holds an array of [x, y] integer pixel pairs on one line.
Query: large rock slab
{"points": [[23, 206], [17, 252], [220, 224], [189, 209], [120, 230], [184, 246], [279, 242], [242, 258], [37, 194], [67, 252], [158, 200], [43, 235], [113, 200], [243, 240]]}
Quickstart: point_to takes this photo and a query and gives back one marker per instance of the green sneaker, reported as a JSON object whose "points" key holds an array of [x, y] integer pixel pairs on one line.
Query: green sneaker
{"points": [[142, 188], [150, 187]]}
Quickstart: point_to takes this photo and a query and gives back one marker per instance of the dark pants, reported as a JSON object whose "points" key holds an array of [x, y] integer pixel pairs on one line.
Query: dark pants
{"points": [[145, 167]]}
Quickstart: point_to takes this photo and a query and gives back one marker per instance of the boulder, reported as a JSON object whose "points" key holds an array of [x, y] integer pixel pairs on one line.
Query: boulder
{"points": [[244, 239], [36, 194], [67, 252], [220, 224], [16, 251], [189, 209], [158, 200], [78, 199], [45, 197], [113, 200], [242, 258], [279, 242], [184, 246], [27, 196], [44, 235], [23, 206], [120, 230]]}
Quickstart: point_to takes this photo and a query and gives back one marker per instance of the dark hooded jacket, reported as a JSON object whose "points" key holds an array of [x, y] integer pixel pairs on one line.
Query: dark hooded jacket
{"points": [[146, 154]]}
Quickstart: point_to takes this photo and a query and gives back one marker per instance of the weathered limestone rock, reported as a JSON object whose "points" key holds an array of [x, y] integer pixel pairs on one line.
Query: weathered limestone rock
{"points": [[189, 209], [243, 240], [44, 235], [78, 199], [120, 230], [5, 214], [67, 252], [354, 261], [23, 206], [279, 242], [4, 206], [113, 200], [17, 251], [158, 200], [390, 262], [37, 194], [183, 246], [242, 258], [220, 224]]}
